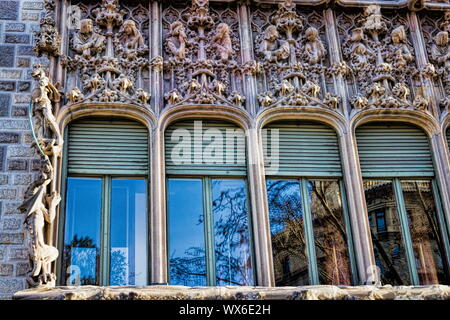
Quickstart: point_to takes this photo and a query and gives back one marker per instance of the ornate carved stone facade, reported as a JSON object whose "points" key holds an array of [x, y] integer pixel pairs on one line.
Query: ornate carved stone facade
{"points": [[344, 63]]}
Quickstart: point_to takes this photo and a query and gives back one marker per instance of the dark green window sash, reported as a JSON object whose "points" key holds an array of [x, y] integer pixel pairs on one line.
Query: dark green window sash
{"points": [[313, 269], [209, 225]]}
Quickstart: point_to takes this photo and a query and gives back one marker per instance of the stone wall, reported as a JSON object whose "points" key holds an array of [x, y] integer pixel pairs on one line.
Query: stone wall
{"points": [[18, 21]]}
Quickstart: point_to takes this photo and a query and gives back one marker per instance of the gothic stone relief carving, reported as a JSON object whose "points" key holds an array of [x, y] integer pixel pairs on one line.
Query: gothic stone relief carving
{"points": [[436, 33], [41, 198], [382, 62], [202, 56], [292, 60], [47, 38], [108, 57]]}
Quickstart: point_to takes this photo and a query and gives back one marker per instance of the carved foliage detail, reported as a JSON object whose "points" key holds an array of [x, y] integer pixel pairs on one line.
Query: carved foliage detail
{"points": [[202, 56], [47, 38], [292, 59], [109, 55]]}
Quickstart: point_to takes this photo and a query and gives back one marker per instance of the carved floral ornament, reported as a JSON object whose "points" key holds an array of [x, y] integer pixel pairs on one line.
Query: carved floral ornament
{"points": [[202, 60], [108, 58], [382, 64]]}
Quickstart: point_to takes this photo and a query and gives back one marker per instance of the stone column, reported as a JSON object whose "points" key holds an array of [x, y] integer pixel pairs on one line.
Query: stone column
{"points": [[247, 57], [156, 76], [350, 163], [259, 210], [158, 242], [357, 206]]}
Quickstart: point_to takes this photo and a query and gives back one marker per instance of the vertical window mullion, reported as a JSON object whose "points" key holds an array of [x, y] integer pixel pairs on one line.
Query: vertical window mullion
{"points": [[403, 215], [209, 233], [309, 234], [444, 226], [349, 232], [104, 250]]}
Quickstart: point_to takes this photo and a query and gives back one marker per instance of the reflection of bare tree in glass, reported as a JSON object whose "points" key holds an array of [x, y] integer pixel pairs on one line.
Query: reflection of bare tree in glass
{"points": [[329, 233], [286, 222], [189, 270], [69, 255], [232, 243]]}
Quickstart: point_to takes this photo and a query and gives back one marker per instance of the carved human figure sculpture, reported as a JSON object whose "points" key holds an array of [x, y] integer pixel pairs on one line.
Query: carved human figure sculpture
{"points": [[273, 48], [440, 54], [177, 43], [314, 49], [87, 43], [222, 42], [360, 53], [401, 54], [130, 38]]}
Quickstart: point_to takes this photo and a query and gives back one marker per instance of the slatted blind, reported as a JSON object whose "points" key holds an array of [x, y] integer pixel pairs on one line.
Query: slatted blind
{"points": [[99, 146], [305, 149], [205, 147], [393, 150]]}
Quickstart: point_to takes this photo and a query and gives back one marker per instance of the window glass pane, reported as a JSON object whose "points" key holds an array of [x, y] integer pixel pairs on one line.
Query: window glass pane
{"points": [[330, 237], [231, 233], [425, 233], [390, 255], [82, 229], [128, 240], [187, 261], [287, 231]]}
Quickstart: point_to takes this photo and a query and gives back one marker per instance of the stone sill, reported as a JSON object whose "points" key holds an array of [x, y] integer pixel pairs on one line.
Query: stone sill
{"points": [[437, 292]]}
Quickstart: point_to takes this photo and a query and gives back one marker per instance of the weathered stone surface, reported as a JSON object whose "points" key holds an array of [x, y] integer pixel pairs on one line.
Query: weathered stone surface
{"points": [[11, 207], [10, 74], [11, 238], [2, 158], [9, 286], [9, 137], [6, 56], [6, 270], [12, 224], [25, 51], [23, 179], [437, 292], [21, 152], [5, 101], [23, 62], [22, 269], [32, 5], [8, 194], [14, 27], [7, 85], [3, 179], [24, 86], [9, 10], [18, 165], [14, 125], [30, 16], [19, 111], [17, 38], [18, 254]]}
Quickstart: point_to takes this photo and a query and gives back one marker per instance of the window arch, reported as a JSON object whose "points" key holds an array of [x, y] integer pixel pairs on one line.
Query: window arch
{"points": [[307, 207], [105, 212], [398, 173], [209, 228]]}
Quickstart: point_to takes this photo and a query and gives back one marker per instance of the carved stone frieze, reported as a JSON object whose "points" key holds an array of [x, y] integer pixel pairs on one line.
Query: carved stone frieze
{"points": [[292, 56], [436, 32], [382, 62], [47, 38], [202, 56], [108, 57], [41, 197]]}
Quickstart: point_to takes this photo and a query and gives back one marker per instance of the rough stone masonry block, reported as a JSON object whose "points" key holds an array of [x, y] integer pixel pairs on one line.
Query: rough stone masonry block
{"points": [[14, 27], [9, 10], [22, 269], [2, 158], [9, 286], [21, 152], [5, 101], [17, 38], [9, 137], [7, 85], [8, 194], [7, 56], [6, 270], [12, 224], [18, 254], [11, 238]]}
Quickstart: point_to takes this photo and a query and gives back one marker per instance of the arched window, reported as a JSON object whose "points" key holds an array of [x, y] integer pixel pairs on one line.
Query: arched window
{"points": [[398, 173], [209, 237], [307, 208], [105, 226]]}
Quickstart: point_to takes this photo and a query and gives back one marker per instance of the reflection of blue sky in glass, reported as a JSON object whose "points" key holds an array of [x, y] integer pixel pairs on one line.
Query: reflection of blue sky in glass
{"points": [[186, 232], [284, 203], [231, 233], [128, 232], [83, 216]]}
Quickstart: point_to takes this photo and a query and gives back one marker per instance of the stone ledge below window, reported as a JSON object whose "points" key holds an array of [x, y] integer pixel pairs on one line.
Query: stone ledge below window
{"points": [[438, 292]]}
